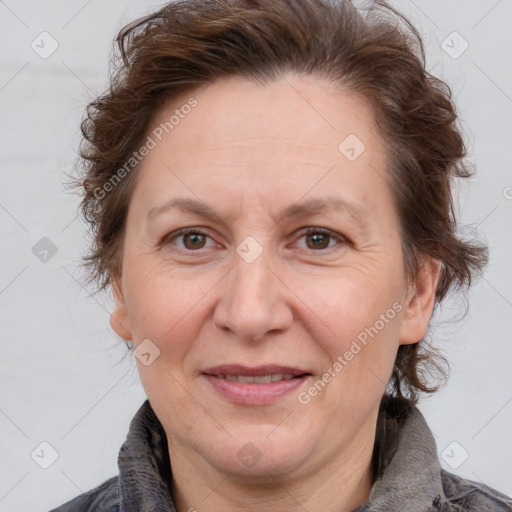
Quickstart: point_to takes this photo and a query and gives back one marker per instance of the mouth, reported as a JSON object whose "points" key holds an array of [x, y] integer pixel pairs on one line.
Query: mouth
{"points": [[261, 379], [257, 385]]}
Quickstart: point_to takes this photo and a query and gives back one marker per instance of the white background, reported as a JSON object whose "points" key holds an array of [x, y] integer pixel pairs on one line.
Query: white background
{"points": [[64, 377]]}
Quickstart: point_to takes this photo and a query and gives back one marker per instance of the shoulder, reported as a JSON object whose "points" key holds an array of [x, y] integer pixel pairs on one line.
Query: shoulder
{"points": [[104, 498], [468, 495]]}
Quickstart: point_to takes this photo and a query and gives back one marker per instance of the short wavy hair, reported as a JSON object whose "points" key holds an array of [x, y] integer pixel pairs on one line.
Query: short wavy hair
{"points": [[375, 53]]}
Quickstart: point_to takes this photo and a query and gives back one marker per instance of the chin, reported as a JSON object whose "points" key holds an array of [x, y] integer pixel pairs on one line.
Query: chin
{"points": [[261, 454]]}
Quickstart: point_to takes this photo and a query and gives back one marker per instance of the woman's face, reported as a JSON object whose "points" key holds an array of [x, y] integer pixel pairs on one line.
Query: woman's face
{"points": [[265, 349]]}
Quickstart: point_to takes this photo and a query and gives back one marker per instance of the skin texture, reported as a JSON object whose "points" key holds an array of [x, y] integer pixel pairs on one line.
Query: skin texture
{"points": [[248, 151]]}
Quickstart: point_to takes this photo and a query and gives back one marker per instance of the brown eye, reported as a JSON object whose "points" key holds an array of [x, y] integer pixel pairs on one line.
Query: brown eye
{"points": [[188, 239], [193, 240], [318, 241]]}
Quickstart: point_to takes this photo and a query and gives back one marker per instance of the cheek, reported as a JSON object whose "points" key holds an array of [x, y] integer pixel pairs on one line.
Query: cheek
{"points": [[368, 354], [356, 322], [164, 305], [345, 305]]}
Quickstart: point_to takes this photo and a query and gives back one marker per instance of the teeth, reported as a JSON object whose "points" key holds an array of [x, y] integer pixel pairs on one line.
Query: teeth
{"points": [[261, 379]]}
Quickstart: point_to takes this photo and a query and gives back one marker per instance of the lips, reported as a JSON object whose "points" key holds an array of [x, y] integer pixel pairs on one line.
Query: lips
{"points": [[255, 385]]}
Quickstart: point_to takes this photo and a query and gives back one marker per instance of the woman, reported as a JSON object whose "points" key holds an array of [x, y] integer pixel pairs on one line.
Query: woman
{"points": [[269, 188]]}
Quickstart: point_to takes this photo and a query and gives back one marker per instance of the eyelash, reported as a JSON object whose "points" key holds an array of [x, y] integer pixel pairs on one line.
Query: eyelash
{"points": [[307, 231]]}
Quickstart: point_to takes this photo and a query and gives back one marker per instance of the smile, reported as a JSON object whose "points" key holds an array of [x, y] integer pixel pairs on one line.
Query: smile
{"points": [[262, 379], [254, 386]]}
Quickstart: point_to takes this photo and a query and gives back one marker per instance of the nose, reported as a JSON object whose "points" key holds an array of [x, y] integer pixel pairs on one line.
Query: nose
{"points": [[254, 301]]}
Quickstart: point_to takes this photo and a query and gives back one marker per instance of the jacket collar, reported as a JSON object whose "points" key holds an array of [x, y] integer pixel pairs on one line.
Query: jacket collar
{"points": [[408, 473], [144, 467]]}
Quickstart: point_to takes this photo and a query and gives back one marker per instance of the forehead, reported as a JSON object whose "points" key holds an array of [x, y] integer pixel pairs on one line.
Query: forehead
{"points": [[285, 137], [293, 107]]}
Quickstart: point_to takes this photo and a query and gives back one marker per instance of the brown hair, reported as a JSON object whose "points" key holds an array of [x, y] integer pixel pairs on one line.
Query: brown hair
{"points": [[376, 53]]}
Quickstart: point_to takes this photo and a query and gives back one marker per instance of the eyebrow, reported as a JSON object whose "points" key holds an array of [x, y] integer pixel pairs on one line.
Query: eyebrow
{"points": [[299, 209]]}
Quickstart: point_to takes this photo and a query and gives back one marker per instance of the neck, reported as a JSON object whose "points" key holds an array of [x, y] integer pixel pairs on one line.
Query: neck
{"points": [[339, 484]]}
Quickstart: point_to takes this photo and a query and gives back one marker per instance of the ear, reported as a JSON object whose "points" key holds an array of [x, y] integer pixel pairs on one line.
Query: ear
{"points": [[119, 320], [420, 303]]}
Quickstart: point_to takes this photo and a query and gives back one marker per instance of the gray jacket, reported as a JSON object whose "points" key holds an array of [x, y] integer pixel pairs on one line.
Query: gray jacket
{"points": [[409, 477]]}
